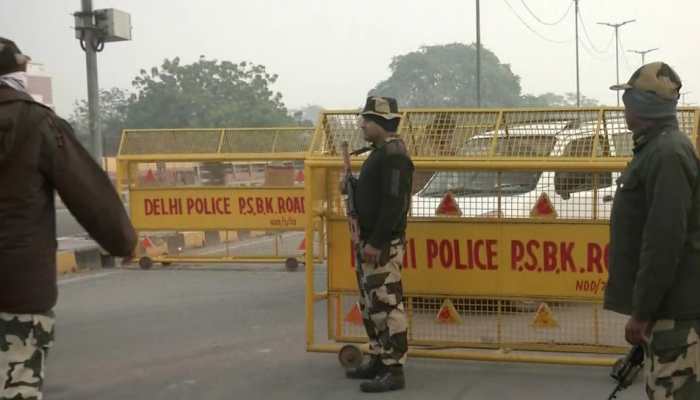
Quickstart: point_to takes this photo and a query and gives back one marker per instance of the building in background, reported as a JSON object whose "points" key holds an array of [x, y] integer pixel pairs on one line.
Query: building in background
{"points": [[39, 84]]}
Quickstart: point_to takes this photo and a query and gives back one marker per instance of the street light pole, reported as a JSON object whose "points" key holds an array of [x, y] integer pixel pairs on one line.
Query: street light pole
{"points": [[578, 81], [478, 55], [617, 51], [643, 52], [683, 103]]}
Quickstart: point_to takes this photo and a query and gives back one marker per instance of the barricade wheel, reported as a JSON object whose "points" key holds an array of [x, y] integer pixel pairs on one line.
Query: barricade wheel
{"points": [[165, 263], [145, 262], [291, 264], [350, 356]]}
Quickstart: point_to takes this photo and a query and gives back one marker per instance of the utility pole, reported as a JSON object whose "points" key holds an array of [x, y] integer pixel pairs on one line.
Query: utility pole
{"points": [[91, 40], [683, 103], [93, 28], [478, 55], [617, 51], [643, 52], [578, 79]]}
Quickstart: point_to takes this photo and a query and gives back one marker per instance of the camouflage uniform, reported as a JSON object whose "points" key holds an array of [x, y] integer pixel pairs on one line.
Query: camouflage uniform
{"points": [[25, 340], [381, 303], [672, 359]]}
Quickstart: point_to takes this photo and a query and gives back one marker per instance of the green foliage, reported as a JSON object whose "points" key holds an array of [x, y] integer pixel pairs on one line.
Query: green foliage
{"points": [[206, 94], [113, 110], [550, 99], [445, 76]]}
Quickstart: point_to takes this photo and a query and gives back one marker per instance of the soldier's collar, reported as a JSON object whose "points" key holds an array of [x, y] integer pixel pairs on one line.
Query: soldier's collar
{"points": [[390, 139], [645, 136]]}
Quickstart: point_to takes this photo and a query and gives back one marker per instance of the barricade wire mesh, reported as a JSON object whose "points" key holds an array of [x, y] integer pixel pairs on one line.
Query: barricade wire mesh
{"points": [[213, 141], [494, 133], [218, 174], [502, 323]]}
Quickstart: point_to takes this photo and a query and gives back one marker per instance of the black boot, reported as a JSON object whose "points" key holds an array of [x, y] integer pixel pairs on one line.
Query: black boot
{"points": [[391, 379], [374, 367]]}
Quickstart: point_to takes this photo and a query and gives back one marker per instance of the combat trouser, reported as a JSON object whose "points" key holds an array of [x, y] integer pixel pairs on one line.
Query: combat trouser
{"points": [[24, 343], [672, 361], [381, 303]]}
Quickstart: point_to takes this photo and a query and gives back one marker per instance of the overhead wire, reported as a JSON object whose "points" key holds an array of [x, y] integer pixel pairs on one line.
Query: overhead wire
{"points": [[588, 37], [624, 55], [531, 29], [590, 52], [557, 22]]}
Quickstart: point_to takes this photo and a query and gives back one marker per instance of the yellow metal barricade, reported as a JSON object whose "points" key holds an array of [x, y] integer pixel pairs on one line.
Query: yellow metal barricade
{"points": [[195, 194], [507, 242]]}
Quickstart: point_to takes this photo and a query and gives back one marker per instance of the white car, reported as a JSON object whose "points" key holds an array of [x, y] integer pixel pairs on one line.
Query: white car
{"points": [[571, 194]]}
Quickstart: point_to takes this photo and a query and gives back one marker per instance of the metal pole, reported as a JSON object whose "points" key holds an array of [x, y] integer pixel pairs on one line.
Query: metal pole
{"points": [[617, 51], [578, 81], [643, 53], [91, 39], [683, 94], [478, 55], [617, 64]]}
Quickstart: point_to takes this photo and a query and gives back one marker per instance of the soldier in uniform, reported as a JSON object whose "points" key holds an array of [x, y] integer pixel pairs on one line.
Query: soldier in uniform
{"points": [[655, 237], [383, 198], [39, 155]]}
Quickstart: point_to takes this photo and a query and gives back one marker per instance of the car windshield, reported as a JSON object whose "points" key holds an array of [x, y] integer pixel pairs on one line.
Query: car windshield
{"points": [[480, 183], [489, 183]]}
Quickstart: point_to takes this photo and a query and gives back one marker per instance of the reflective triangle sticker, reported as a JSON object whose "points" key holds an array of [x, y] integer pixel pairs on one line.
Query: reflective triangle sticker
{"points": [[544, 318], [448, 314], [355, 315], [448, 206], [150, 177], [543, 208]]}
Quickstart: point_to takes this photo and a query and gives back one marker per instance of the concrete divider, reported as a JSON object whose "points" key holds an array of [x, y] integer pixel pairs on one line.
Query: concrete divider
{"points": [[77, 254], [66, 262], [212, 238], [193, 239], [228, 236]]}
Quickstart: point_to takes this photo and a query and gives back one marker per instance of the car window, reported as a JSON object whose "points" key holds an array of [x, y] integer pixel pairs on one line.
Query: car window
{"points": [[566, 182], [492, 183], [512, 146]]}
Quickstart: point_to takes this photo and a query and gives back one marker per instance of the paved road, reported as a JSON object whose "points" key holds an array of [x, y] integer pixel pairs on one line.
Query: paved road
{"points": [[238, 333]]}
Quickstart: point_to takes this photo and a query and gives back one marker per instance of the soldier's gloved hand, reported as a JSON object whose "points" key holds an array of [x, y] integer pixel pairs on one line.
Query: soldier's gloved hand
{"points": [[370, 254], [637, 331]]}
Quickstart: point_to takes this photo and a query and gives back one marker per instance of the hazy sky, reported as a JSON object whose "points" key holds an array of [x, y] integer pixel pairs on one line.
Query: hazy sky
{"points": [[331, 52]]}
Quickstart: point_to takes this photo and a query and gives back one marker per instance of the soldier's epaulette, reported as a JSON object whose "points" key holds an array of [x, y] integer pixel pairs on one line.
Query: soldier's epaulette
{"points": [[395, 146]]}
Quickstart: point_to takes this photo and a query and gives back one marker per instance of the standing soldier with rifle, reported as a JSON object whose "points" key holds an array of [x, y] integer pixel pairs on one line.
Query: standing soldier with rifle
{"points": [[655, 237], [381, 196]]}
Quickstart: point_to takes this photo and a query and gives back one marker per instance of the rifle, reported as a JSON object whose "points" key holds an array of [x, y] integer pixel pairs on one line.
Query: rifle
{"points": [[350, 208], [626, 369]]}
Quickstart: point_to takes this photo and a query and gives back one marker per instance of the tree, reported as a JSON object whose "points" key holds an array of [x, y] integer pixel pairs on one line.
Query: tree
{"points": [[308, 115], [113, 110], [550, 99], [445, 76], [207, 93]]}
